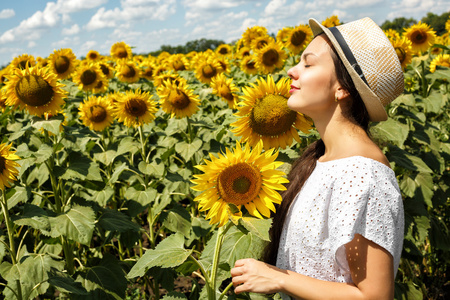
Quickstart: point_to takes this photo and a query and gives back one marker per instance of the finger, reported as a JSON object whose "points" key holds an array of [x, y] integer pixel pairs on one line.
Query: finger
{"points": [[236, 271], [241, 262], [237, 280]]}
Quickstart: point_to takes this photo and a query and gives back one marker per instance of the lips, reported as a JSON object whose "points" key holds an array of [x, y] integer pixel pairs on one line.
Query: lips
{"points": [[293, 89]]}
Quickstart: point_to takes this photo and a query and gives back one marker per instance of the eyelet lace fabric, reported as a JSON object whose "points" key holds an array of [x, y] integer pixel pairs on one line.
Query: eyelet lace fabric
{"points": [[341, 198]]}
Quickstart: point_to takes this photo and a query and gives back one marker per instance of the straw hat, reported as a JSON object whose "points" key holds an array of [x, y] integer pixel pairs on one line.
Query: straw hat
{"points": [[371, 61]]}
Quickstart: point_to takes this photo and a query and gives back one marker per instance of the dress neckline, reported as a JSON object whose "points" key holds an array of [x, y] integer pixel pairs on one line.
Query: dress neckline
{"points": [[354, 157]]}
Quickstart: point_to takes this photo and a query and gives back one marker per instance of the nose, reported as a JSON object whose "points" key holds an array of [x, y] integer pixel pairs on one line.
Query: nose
{"points": [[292, 73]]}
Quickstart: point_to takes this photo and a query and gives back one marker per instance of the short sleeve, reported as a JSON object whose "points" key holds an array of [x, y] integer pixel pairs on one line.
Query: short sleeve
{"points": [[366, 200]]}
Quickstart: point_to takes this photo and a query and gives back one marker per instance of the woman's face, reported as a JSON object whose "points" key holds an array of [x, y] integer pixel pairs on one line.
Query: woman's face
{"points": [[314, 83]]}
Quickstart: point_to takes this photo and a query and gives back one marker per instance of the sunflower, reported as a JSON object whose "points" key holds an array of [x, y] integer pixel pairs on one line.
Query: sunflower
{"points": [[35, 89], [128, 71], [62, 62], [248, 65], [421, 37], [243, 52], [106, 68], [3, 99], [264, 115], [88, 76], [224, 63], [442, 60], [270, 58], [331, 21], [8, 166], [283, 34], [22, 61], [240, 177], [438, 41], [178, 62], [96, 113], [42, 62], [121, 50], [392, 34], [135, 108], [225, 89], [93, 55], [224, 50], [161, 79], [252, 33], [404, 52], [3, 73], [147, 69], [260, 42], [298, 38], [207, 69], [177, 100]]}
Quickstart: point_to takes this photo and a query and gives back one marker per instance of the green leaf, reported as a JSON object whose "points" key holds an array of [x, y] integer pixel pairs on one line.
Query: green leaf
{"points": [[152, 168], [434, 102], [406, 160], [106, 157], [127, 145], [106, 280], [423, 225], [43, 153], [144, 198], [407, 291], [391, 130], [18, 194], [408, 186], [80, 167], [425, 183], [259, 227], [113, 220], [178, 219], [117, 171], [35, 217], [188, 150], [65, 283], [30, 271], [168, 253], [102, 197], [53, 125], [77, 224]]}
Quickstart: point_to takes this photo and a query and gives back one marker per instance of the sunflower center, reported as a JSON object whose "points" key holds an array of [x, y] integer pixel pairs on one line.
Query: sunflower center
{"points": [[251, 65], [148, 71], [224, 91], [135, 107], [2, 164], [88, 77], [261, 44], [179, 99], [223, 51], [401, 53], [98, 114], [239, 184], [271, 116], [128, 71], [178, 65], [298, 37], [33, 90], [209, 71], [419, 37], [270, 57], [93, 56], [121, 52], [105, 69], [23, 64], [62, 64]]}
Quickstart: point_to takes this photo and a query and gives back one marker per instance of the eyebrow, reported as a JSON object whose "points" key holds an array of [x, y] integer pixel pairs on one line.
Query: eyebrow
{"points": [[305, 55]]}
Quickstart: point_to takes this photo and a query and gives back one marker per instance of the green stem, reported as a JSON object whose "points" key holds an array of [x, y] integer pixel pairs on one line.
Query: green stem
{"points": [[143, 142], [225, 290], [50, 165], [150, 221], [190, 133], [202, 269], [219, 241], [68, 254], [424, 81], [9, 228]]}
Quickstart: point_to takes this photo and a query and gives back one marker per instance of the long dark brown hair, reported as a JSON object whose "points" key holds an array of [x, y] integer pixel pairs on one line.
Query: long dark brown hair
{"points": [[302, 168]]}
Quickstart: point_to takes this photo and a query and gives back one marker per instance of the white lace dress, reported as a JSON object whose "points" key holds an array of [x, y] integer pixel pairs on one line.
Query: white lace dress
{"points": [[341, 198]]}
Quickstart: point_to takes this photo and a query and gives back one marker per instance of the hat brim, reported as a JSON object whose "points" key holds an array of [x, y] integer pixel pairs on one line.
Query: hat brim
{"points": [[371, 101]]}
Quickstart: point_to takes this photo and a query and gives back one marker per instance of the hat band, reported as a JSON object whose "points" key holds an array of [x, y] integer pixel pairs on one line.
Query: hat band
{"points": [[348, 53]]}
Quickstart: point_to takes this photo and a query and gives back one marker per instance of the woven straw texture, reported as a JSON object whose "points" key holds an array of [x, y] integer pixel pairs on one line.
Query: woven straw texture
{"points": [[376, 57]]}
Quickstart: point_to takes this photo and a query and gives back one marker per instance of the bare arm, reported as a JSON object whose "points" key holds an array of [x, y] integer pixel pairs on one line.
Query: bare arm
{"points": [[371, 268]]}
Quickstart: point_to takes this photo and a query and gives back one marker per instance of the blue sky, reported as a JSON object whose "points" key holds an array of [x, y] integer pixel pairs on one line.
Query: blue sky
{"points": [[38, 27]]}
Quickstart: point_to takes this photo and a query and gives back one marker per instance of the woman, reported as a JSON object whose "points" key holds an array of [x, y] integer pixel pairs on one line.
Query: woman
{"points": [[338, 233]]}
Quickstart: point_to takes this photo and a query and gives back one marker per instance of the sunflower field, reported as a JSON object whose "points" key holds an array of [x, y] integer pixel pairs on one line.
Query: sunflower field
{"points": [[127, 176]]}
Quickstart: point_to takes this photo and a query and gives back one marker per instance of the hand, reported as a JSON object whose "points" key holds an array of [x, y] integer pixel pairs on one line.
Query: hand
{"points": [[250, 275]]}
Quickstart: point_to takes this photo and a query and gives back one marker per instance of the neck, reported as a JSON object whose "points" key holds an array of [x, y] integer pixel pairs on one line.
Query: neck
{"points": [[339, 134]]}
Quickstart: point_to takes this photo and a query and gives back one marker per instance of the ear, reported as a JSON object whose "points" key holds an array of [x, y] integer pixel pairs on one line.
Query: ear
{"points": [[341, 93]]}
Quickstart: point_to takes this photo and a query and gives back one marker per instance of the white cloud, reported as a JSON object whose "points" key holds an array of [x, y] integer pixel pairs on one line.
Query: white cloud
{"points": [[279, 10], [89, 45], [67, 42], [132, 11], [211, 4], [7, 13], [70, 6], [75, 29], [32, 44], [357, 3]]}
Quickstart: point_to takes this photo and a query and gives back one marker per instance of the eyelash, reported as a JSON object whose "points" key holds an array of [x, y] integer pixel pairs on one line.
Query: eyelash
{"points": [[307, 66]]}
